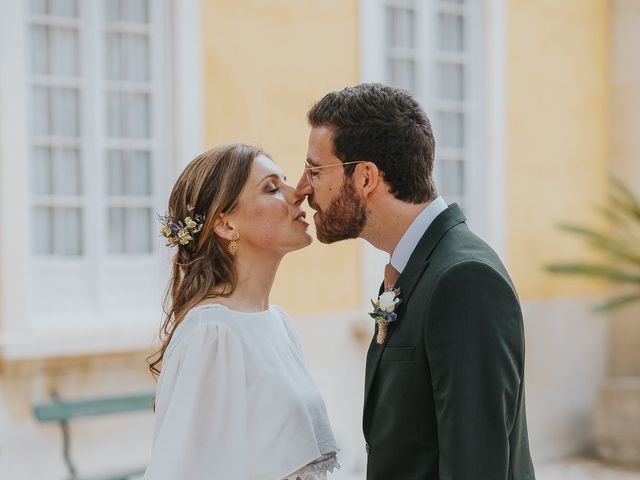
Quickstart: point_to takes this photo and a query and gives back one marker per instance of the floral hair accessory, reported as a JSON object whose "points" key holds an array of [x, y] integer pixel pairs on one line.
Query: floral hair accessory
{"points": [[384, 312], [180, 232]]}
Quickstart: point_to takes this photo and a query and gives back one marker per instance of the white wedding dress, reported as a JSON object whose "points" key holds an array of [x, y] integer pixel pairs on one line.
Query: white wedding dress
{"points": [[235, 402]]}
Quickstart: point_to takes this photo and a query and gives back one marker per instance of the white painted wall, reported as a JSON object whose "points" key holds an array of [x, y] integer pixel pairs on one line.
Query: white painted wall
{"points": [[566, 362]]}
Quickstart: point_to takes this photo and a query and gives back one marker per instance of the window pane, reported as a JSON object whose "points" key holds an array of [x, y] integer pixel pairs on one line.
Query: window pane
{"points": [[450, 32], [130, 230], [400, 27], [138, 230], [113, 57], [135, 11], [115, 173], [137, 57], [116, 230], [40, 111], [138, 116], [450, 81], [41, 183], [39, 49], [127, 57], [129, 173], [112, 9], [131, 11], [114, 114], [65, 51], [67, 172], [65, 110], [401, 73], [449, 129], [138, 173], [39, 7], [128, 115], [42, 238], [67, 231], [452, 178], [64, 8]]}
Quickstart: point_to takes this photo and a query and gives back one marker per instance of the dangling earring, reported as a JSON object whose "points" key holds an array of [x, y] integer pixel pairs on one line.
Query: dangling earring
{"points": [[233, 245]]}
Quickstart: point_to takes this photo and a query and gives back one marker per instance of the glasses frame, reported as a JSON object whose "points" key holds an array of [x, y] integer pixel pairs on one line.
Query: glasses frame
{"points": [[310, 168]]}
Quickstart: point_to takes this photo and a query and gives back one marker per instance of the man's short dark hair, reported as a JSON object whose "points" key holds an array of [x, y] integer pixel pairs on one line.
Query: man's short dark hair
{"points": [[386, 126]]}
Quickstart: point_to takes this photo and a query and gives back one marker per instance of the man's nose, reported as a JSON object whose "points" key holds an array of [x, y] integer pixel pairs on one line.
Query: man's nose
{"points": [[304, 188]]}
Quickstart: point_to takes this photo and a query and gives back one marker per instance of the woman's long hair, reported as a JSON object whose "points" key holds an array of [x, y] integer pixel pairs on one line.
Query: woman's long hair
{"points": [[209, 186]]}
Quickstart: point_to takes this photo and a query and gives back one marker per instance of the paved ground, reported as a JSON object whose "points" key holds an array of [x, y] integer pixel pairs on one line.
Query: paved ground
{"points": [[575, 469], [584, 469]]}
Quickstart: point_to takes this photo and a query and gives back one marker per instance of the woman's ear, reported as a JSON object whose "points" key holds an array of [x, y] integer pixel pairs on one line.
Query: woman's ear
{"points": [[224, 227], [368, 178]]}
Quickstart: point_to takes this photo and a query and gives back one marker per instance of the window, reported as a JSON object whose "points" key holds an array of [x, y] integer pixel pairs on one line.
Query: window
{"points": [[65, 157], [430, 50], [88, 154], [95, 84], [55, 134], [439, 51]]}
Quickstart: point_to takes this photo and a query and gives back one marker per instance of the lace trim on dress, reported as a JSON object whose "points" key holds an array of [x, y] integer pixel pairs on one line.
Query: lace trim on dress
{"points": [[316, 470]]}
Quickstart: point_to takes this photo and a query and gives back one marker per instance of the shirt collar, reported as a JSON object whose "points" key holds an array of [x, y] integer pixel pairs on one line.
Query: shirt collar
{"points": [[410, 239]]}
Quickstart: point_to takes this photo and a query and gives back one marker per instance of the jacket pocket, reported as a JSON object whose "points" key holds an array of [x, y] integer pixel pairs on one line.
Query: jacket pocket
{"points": [[398, 354]]}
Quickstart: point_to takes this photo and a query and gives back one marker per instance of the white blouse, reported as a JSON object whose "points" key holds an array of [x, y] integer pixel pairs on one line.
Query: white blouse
{"points": [[235, 402]]}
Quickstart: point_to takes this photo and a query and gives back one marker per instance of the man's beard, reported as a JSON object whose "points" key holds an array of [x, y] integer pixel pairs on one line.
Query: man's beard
{"points": [[344, 218]]}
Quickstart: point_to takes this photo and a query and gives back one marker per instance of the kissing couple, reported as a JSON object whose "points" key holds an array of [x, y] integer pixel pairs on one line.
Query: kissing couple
{"points": [[444, 381]]}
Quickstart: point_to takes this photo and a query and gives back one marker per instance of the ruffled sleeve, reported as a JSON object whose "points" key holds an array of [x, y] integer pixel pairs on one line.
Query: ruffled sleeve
{"points": [[201, 413]]}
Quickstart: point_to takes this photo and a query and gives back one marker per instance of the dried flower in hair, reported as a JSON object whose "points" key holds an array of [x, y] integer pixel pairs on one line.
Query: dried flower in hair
{"points": [[180, 232]]}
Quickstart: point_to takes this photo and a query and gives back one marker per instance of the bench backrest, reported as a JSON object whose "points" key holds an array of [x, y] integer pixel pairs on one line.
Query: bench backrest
{"points": [[62, 410]]}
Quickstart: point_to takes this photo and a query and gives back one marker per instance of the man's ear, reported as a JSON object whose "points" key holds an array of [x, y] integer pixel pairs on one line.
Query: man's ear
{"points": [[368, 178], [224, 227]]}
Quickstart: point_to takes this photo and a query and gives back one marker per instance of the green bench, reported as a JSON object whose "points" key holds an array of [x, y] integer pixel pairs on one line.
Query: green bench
{"points": [[62, 411]]}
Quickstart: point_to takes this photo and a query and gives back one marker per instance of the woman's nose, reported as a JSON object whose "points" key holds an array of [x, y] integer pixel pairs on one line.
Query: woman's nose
{"points": [[292, 196]]}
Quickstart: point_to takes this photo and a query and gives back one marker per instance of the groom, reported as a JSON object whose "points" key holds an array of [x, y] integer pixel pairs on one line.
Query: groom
{"points": [[444, 386]]}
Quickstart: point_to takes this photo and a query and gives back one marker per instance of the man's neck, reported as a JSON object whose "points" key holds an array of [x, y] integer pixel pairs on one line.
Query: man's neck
{"points": [[387, 222]]}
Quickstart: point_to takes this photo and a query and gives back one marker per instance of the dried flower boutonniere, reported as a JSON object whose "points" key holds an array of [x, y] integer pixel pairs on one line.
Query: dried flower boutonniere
{"points": [[384, 312]]}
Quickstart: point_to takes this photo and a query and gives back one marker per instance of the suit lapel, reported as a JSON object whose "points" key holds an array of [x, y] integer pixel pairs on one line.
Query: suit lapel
{"points": [[416, 266]]}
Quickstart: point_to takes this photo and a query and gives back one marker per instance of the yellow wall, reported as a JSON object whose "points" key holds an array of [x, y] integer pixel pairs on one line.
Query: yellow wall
{"points": [[265, 64], [558, 67]]}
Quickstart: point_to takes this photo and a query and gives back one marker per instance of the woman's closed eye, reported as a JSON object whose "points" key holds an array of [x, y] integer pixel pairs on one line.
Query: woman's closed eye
{"points": [[272, 188]]}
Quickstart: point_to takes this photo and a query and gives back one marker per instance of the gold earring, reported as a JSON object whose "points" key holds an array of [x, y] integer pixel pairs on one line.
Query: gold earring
{"points": [[233, 245]]}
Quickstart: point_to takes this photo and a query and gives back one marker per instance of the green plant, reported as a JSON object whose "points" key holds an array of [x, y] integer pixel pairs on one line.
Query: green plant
{"points": [[620, 244]]}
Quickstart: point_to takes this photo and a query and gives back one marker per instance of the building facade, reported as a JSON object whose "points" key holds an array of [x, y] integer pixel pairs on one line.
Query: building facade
{"points": [[102, 103]]}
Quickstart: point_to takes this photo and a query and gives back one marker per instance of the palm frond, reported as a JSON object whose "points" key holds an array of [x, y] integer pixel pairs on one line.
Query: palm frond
{"points": [[620, 187], [594, 270], [618, 302], [623, 246]]}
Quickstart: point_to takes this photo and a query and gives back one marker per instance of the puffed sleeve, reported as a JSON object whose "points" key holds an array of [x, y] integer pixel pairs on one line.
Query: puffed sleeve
{"points": [[200, 430], [291, 330]]}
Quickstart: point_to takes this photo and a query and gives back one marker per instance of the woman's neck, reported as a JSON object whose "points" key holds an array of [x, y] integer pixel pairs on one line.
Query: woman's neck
{"points": [[256, 275]]}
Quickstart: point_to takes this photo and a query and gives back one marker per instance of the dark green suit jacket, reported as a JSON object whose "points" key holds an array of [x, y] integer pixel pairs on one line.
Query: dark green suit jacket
{"points": [[444, 394]]}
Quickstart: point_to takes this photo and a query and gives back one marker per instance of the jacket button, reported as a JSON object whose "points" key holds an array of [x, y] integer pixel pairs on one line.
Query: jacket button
{"points": [[367, 447]]}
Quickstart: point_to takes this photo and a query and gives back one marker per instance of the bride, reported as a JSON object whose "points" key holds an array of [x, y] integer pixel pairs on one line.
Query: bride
{"points": [[234, 400]]}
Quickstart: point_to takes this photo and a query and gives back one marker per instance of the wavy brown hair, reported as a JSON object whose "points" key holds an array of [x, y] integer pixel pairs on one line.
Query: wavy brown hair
{"points": [[210, 186]]}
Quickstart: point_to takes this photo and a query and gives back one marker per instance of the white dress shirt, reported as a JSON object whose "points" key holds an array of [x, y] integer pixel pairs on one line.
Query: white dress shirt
{"points": [[412, 236]]}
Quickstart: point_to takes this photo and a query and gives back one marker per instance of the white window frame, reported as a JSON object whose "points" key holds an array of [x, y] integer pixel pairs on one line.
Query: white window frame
{"points": [[25, 333], [485, 180]]}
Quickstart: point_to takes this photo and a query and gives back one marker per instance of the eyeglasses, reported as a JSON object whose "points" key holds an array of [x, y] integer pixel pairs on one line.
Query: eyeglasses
{"points": [[309, 170]]}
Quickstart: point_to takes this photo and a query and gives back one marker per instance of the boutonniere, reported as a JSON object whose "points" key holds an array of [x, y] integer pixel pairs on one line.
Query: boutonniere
{"points": [[384, 312]]}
